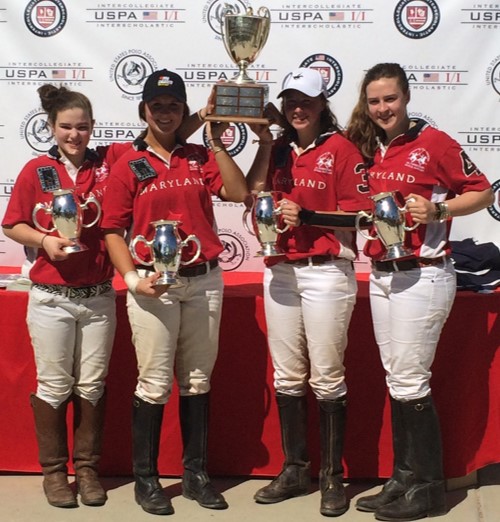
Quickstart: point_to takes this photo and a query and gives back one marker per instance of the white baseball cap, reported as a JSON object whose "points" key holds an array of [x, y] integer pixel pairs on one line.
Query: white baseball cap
{"points": [[306, 80]]}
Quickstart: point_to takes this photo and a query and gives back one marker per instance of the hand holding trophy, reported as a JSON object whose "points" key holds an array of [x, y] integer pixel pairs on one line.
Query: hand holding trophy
{"points": [[244, 35], [389, 222], [166, 251], [67, 216], [265, 222]]}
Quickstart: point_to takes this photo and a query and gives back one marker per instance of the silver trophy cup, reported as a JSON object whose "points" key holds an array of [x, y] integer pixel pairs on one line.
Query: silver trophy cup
{"points": [[266, 214], [67, 217], [389, 222], [244, 36], [166, 251]]}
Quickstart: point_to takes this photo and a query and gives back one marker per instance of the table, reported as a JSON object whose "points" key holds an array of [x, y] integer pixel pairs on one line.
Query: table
{"points": [[244, 433]]}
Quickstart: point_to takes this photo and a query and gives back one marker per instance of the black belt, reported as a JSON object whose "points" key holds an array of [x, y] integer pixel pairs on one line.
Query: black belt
{"points": [[189, 270], [408, 264], [199, 269], [311, 260], [72, 292]]}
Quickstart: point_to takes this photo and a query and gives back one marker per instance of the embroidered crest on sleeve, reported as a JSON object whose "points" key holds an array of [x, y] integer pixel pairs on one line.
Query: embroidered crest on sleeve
{"points": [[142, 169], [49, 178]]}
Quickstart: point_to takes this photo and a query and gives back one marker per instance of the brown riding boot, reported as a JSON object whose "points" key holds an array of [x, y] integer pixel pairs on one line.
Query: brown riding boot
{"points": [[88, 427], [332, 420], [51, 434]]}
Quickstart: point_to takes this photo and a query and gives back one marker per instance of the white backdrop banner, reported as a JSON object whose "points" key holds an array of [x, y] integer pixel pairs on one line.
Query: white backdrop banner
{"points": [[449, 48]]}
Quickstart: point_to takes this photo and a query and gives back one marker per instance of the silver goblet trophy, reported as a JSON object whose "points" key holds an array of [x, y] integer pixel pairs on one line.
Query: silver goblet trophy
{"points": [[166, 251], [266, 214], [244, 35], [389, 222], [67, 217]]}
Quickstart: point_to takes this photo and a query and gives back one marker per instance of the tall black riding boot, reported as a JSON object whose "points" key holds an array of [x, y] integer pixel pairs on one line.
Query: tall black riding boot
{"points": [[332, 421], [88, 422], [52, 438], [295, 477], [146, 430], [402, 476], [426, 497], [196, 485]]}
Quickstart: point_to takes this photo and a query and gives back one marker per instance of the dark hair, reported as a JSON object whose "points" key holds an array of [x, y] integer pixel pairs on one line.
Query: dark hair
{"points": [[56, 99], [327, 122], [361, 130]]}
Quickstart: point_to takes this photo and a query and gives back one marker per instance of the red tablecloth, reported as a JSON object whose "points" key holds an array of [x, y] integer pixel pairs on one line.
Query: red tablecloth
{"points": [[244, 434]]}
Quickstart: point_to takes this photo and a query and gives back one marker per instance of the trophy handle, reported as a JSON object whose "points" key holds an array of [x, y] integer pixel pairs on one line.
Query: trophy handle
{"points": [[404, 209], [47, 210], [277, 212], [247, 211], [184, 243], [83, 206], [140, 239], [264, 12], [369, 217]]}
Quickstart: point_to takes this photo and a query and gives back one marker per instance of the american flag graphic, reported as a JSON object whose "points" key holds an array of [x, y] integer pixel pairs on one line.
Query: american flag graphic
{"points": [[58, 74], [431, 77], [335, 16], [149, 15]]}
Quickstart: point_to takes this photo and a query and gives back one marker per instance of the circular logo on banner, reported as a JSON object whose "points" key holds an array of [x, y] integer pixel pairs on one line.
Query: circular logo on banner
{"points": [[36, 131], [494, 210], [234, 138], [130, 71], [493, 75], [212, 13], [233, 255], [45, 17], [416, 18], [329, 68]]}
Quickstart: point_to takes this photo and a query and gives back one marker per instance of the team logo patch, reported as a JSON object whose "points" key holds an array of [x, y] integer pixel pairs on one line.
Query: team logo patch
{"points": [[416, 18], [49, 178], [324, 164], [418, 159], [142, 169]]}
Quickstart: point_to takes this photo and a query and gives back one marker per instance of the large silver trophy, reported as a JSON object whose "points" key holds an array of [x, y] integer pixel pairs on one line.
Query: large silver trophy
{"points": [[166, 251], [67, 217], [244, 35], [389, 221], [266, 214]]}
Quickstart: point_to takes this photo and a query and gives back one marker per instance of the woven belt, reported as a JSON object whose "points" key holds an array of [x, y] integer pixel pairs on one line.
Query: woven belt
{"points": [[75, 292], [311, 260], [198, 270], [408, 264]]}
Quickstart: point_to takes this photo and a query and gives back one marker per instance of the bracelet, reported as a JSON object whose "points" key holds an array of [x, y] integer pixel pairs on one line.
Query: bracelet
{"points": [[263, 142], [442, 212], [43, 239], [215, 150], [132, 279], [200, 117]]}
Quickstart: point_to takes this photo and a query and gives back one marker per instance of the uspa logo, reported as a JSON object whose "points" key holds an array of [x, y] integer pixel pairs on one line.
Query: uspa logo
{"points": [[494, 209], [130, 70], [416, 18], [493, 74], [212, 13], [329, 68], [45, 17], [236, 249], [36, 131], [234, 138]]}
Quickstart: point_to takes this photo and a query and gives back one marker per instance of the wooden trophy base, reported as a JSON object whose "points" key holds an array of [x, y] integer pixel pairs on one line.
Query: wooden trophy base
{"points": [[240, 102]]}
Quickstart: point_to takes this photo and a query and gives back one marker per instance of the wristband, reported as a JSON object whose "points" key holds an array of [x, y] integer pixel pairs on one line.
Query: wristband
{"points": [[200, 117], [215, 150], [442, 212], [43, 239], [132, 279]]}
